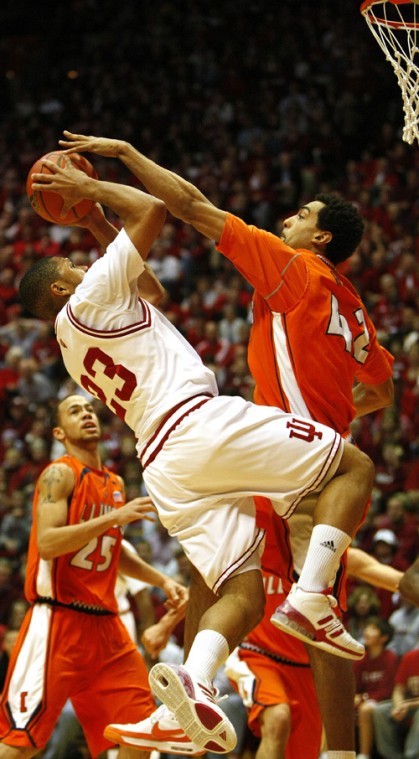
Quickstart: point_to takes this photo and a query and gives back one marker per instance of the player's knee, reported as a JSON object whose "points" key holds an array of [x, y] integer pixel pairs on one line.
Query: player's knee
{"points": [[248, 595], [365, 469], [358, 465], [276, 724]]}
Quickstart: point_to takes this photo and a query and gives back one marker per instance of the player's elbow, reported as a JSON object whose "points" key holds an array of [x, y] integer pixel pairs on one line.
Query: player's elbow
{"points": [[46, 553], [157, 210], [46, 548], [388, 392]]}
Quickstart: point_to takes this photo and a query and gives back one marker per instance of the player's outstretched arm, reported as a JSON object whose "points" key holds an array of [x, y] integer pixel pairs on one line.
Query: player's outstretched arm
{"points": [[182, 198], [367, 568]]}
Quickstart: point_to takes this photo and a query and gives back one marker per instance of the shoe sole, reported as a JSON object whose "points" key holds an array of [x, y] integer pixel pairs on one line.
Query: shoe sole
{"points": [[203, 724], [114, 735], [283, 623]]}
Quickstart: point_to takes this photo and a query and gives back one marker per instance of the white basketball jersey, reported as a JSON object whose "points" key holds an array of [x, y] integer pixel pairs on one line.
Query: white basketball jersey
{"points": [[124, 351]]}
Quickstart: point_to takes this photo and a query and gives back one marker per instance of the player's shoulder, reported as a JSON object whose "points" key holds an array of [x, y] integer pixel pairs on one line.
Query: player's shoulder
{"points": [[59, 473]]}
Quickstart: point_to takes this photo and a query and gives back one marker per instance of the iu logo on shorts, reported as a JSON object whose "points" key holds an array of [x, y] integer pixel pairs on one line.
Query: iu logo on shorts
{"points": [[23, 707], [304, 429]]}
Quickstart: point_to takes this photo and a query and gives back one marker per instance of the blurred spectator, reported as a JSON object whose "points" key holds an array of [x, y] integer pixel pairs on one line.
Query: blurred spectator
{"points": [[15, 526], [9, 591], [363, 603], [374, 676], [214, 350], [9, 371], [47, 354], [405, 624], [404, 524], [384, 548], [396, 722], [230, 326], [33, 384]]}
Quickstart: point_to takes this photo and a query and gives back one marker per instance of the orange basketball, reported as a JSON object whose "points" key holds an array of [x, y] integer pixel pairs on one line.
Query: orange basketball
{"points": [[49, 204]]}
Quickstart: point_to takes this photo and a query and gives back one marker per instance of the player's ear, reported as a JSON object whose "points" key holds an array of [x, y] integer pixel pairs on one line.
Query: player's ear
{"points": [[322, 237], [58, 433], [60, 289]]}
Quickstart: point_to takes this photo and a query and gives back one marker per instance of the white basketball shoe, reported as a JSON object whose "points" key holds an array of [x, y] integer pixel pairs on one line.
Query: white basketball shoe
{"points": [[310, 617], [194, 707], [161, 731]]}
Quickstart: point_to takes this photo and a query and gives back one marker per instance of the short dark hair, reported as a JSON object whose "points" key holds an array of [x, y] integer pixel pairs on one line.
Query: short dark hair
{"points": [[382, 625], [343, 220], [34, 288]]}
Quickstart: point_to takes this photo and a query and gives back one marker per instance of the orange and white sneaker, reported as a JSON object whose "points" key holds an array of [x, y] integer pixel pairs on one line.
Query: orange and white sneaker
{"points": [[310, 617], [160, 731], [194, 706]]}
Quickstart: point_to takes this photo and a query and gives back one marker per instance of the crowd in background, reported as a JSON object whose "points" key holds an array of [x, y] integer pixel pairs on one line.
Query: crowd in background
{"points": [[297, 101]]}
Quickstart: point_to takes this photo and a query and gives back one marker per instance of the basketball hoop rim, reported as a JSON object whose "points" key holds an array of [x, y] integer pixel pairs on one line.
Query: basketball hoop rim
{"points": [[366, 10]]}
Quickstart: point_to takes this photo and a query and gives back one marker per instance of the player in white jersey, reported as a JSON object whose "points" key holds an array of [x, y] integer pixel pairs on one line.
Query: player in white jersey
{"points": [[203, 455]]}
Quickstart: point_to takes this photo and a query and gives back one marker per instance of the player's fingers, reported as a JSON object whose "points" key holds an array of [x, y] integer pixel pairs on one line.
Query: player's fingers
{"points": [[146, 503], [144, 499], [38, 180], [53, 167], [67, 205], [80, 137]]}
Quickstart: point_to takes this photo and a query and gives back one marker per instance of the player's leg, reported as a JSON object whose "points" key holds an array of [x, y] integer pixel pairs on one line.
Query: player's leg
{"points": [[187, 691], [11, 752], [221, 621], [238, 609], [200, 599], [308, 612], [275, 726], [335, 689], [36, 675]]}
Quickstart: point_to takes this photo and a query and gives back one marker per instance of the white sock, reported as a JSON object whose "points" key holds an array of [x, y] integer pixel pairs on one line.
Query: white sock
{"points": [[341, 755], [327, 544], [208, 652]]}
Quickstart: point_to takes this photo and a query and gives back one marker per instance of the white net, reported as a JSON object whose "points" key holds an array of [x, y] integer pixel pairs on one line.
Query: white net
{"points": [[395, 26]]}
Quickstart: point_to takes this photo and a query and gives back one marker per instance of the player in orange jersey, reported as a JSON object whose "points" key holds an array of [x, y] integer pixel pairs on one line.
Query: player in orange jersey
{"points": [[72, 643], [313, 351]]}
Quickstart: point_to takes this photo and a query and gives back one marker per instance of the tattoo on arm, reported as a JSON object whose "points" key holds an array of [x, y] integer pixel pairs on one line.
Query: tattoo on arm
{"points": [[52, 477]]}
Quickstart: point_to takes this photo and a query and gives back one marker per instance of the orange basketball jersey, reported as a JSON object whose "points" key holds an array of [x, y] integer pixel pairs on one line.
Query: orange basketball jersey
{"points": [[311, 336], [88, 575]]}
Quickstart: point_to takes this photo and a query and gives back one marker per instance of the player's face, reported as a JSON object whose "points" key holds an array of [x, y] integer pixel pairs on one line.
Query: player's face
{"points": [[299, 231], [71, 273], [78, 421]]}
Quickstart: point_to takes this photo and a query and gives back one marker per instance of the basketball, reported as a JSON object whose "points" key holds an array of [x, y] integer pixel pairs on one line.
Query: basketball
{"points": [[49, 204]]}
